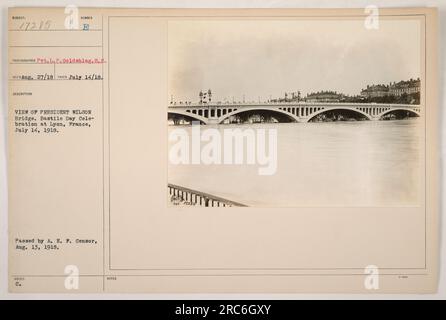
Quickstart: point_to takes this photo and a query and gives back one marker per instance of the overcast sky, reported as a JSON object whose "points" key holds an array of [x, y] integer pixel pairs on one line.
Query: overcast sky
{"points": [[262, 58]]}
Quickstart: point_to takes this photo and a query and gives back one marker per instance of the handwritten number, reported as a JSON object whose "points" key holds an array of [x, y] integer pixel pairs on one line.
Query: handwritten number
{"points": [[33, 25]]}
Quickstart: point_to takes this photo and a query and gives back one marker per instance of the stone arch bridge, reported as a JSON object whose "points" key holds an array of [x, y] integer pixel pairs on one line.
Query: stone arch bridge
{"points": [[296, 112]]}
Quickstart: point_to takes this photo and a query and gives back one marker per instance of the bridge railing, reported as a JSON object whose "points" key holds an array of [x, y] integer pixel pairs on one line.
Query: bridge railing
{"points": [[197, 198]]}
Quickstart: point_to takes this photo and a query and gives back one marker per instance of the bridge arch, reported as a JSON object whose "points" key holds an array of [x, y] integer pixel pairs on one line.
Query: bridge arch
{"points": [[314, 114], [412, 111], [189, 115], [291, 116]]}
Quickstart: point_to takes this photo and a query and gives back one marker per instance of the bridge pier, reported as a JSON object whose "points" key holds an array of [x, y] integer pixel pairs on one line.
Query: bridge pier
{"points": [[212, 121]]}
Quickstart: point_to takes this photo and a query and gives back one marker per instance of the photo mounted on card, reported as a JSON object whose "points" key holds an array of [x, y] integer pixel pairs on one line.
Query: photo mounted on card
{"points": [[300, 113], [217, 150]]}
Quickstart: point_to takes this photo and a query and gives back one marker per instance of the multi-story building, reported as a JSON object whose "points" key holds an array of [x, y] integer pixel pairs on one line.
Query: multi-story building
{"points": [[395, 89], [373, 91], [405, 87], [324, 96]]}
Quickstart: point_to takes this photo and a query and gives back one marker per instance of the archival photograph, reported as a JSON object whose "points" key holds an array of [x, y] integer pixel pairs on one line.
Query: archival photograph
{"points": [[295, 113]]}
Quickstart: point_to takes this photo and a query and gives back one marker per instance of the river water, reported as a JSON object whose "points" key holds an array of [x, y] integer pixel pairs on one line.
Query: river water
{"points": [[359, 163]]}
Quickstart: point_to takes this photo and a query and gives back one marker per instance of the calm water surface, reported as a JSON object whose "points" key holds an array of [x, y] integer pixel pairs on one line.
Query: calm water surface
{"points": [[364, 163]]}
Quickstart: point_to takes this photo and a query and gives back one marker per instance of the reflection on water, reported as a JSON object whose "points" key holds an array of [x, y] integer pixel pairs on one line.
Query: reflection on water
{"points": [[366, 163]]}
